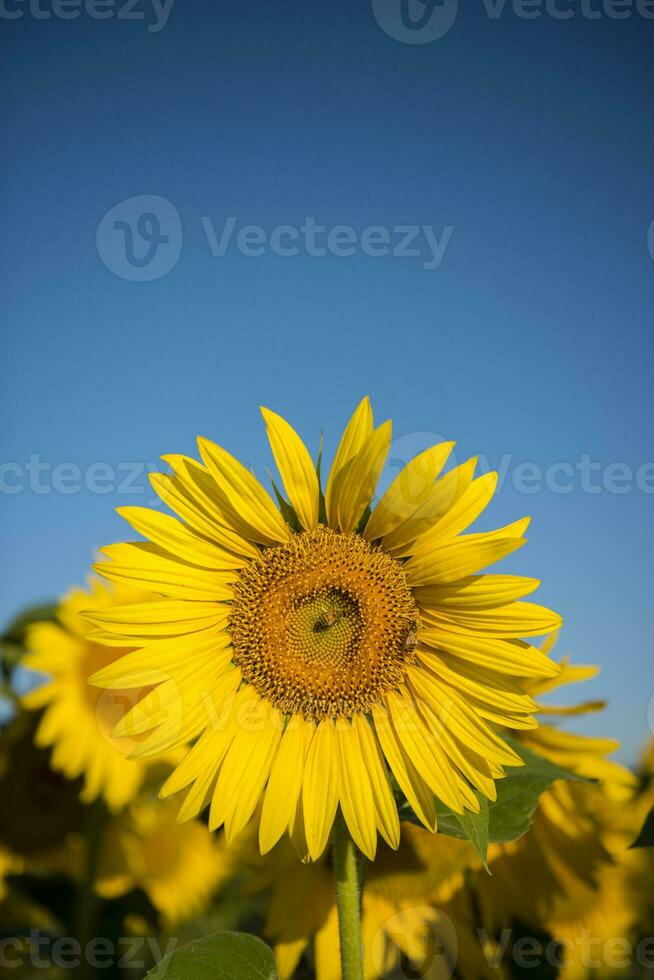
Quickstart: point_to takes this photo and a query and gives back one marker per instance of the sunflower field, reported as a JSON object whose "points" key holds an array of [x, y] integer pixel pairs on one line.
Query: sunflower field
{"points": [[307, 733]]}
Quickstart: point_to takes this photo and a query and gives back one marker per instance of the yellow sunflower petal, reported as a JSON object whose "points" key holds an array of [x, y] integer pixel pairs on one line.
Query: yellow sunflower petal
{"points": [[193, 493], [296, 468], [512, 656], [460, 516], [570, 710], [472, 765], [174, 537], [459, 718], [51, 648], [183, 721], [476, 592], [444, 494], [408, 491], [160, 658], [516, 619], [478, 682], [355, 791], [357, 432], [198, 796], [160, 617], [212, 744], [460, 557], [382, 792], [320, 788], [245, 769], [40, 696], [245, 494], [143, 566], [285, 783], [422, 748], [417, 792], [355, 486], [568, 674]]}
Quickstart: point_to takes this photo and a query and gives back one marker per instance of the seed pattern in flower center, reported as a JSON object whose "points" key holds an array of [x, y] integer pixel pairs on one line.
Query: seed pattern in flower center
{"points": [[321, 625]]}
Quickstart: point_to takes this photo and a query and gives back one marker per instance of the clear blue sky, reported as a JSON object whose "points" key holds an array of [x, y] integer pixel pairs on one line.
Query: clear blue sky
{"points": [[530, 342]]}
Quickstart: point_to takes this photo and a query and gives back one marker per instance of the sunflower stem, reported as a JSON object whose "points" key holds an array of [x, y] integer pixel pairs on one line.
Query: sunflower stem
{"points": [[348, 900]]}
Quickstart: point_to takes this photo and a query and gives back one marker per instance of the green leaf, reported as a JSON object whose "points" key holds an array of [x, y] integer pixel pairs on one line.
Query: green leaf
{"points": [[222, 956], [476, 828], [646, 836], [509, 816], [518, 793]]}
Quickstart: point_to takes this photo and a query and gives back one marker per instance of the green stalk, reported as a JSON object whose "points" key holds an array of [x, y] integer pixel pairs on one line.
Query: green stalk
{"points": [[348, 900]]}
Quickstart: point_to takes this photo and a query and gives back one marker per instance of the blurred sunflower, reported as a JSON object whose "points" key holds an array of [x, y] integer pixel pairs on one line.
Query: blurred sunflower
{"points": [[78, 720], [314, 645], [574, 856], [178, 866]]}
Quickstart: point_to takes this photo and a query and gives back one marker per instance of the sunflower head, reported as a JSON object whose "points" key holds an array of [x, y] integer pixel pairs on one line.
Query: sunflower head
{"points": [[324, 648], [321, 626]]}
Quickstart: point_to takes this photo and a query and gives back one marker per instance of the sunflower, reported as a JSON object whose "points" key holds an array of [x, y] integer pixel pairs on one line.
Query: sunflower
{"points": [[78, 720], [575, 855], [314, 647], [178, 866]]}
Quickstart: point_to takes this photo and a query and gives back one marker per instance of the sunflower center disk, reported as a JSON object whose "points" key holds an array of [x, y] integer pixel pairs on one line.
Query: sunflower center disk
{"points": [[323, 626]]}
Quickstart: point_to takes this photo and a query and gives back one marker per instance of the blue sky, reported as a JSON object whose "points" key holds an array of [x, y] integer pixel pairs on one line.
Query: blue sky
{"points": [[522, 146]]}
